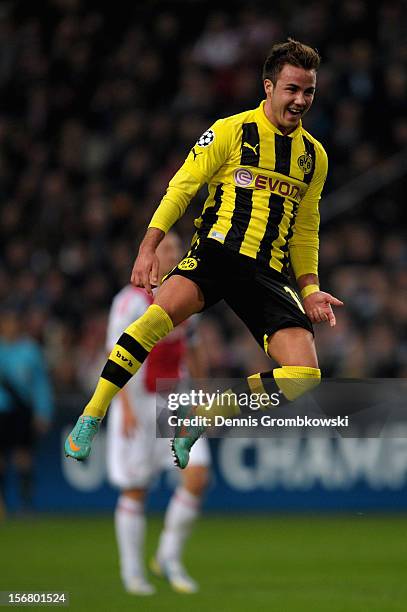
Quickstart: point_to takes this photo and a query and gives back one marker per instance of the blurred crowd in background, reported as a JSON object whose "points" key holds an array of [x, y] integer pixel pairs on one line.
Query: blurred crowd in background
{"points": [[99, 109]]}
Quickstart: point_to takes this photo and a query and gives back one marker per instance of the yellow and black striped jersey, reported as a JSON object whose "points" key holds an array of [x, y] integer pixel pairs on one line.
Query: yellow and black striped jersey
{"points": [[264, 190]]}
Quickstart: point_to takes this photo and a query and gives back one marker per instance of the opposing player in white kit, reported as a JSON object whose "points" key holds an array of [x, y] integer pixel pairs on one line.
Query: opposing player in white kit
{"points": [[135, 455]]}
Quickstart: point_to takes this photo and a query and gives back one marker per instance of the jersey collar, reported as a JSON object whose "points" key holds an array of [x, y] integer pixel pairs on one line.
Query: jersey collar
{"points": [[261, 116]]}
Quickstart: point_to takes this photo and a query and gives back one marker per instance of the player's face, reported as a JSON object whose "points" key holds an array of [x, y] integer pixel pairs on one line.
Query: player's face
{"points": [[169, 253], [290, 98]]}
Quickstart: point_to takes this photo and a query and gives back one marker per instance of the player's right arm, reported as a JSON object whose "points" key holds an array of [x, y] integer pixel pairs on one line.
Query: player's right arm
{"points": [[208, 154], [146, 266]]}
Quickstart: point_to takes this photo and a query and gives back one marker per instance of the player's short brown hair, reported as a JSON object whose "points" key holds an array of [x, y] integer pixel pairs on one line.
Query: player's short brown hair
{"points": [[291, 52]]}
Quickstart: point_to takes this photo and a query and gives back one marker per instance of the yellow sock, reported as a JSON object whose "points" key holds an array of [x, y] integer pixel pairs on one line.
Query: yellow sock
{"points": [[127, 356], [292, 380], [225, 405], [296, 380]]}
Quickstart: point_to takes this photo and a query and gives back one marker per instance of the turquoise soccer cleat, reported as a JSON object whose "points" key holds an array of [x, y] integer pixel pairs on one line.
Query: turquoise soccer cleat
{"points": [[181, 448], [185, 438], [79, 442]]}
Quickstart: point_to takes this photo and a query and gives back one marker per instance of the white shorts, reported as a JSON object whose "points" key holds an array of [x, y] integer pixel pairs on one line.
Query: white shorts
{"points": [[132, 462]]}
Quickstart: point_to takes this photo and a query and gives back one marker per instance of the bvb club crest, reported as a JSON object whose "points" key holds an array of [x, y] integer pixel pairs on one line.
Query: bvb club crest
{"points": [[189, 263], [305, 163]]}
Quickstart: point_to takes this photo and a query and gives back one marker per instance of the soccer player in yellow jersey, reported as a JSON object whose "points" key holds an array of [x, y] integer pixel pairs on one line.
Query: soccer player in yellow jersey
{"points": [[265, 174]]}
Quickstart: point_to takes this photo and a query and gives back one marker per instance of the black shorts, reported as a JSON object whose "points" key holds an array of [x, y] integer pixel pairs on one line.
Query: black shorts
{"points": [[263, 299], [16, 430]]}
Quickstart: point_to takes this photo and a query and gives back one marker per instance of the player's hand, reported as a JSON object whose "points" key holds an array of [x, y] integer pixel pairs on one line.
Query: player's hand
{"points": [[318, 307], [129, 423], [145, 270]]}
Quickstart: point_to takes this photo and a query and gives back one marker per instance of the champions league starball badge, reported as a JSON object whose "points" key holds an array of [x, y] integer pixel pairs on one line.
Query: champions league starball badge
{"points": [[206, 139]]}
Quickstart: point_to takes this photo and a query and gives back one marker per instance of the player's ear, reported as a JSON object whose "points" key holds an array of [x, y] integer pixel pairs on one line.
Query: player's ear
{"points": [[268, 87]]}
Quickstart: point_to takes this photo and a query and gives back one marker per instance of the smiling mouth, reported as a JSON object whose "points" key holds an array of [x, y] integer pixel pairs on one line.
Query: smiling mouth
{"points": [[295, 112]]}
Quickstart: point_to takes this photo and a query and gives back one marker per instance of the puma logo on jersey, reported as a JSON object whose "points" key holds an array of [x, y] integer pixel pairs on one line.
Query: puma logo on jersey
{"points": [[196, 154], [249, 146]]}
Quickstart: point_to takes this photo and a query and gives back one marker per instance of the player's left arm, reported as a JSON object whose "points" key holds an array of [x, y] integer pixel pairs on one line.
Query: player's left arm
{"points": [[317, 304], [304, 248]]}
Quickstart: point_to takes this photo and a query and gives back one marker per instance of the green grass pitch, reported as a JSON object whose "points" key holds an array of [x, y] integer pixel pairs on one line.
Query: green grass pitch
{"points": [[243, 562]]}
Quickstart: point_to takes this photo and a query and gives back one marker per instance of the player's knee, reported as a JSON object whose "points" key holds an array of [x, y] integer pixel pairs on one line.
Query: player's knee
{"points": [[179, 297], [294, 381], [196, 479]]}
